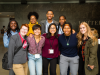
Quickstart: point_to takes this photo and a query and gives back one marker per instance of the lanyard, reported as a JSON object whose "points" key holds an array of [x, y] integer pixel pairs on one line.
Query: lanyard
{"points": [[36, 44], [50, 43]]}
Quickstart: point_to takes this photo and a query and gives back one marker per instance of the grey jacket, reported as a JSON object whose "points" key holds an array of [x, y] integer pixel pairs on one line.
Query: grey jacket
{"points": [[20, 56], [43, 25]]}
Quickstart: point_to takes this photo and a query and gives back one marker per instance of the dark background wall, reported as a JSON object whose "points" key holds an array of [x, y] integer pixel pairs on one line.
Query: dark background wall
{"points": [[74, 12]]}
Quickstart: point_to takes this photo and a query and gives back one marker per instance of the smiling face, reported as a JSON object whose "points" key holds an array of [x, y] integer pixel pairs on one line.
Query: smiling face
{"points": [[33, 19], [52, 29], [62, 20], [23, 30], [83, 29], [49, 15], [37, 31], [13, 25], [67, 30]]}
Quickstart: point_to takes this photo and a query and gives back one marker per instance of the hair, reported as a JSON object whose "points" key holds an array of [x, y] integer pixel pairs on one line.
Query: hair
{"points": [[26, 25], [48, 35], [34, 14], [94, 32], [51, 11], [89, 34], [3, 26], [9, 29], [36, 26], [63, 16], [69, 24]]}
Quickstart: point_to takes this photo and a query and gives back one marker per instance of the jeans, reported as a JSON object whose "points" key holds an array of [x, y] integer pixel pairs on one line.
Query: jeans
{"points": [[35, 64]]}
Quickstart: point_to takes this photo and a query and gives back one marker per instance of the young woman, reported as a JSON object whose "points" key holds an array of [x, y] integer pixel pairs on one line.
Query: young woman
{"points": [[36, 42], [50, 50], [12, 29], [17, 52], [33, 17], [88, 44], [68, 50]]}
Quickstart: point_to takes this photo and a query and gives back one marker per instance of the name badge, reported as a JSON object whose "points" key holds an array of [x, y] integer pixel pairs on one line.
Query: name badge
{"points": [[37, 55], [51, 51]]}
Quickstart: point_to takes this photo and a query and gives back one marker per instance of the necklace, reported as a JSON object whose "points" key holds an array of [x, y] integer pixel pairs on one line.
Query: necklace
{"points": [[67, 41]]}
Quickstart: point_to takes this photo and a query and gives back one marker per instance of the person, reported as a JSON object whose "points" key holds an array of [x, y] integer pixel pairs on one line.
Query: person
{"points": [[33, 17], [62, 20], [88, 44], [36, 42], [18, 61], [50, 51], [45, 23], [12, 29], [68, 49], [3, 30]]}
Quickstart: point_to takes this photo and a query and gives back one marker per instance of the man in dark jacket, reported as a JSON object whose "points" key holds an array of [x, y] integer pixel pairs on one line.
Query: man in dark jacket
{"points": [[45, 23]]}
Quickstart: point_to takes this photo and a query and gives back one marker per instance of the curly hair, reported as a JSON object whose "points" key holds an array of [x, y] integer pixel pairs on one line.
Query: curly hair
{"points": [[34, 14], [9, 29]]}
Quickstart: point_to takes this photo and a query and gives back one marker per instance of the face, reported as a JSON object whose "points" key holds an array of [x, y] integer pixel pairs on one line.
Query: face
{"points": [[52, 29], [33, 19], [67, 29], [13, 25], [23, 30], [49, 15], [37, 31], [83, 29], [62, 20]]}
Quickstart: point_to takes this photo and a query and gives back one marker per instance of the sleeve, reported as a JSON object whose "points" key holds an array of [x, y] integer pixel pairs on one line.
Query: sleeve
{"points": [[11, 52], [59, 44], [42, 27], [5, 40], [93, 53]]}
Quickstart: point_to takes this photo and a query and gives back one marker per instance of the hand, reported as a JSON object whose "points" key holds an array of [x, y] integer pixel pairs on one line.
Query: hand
{"points": [[73, 31], [30, 35], [92, 67]]}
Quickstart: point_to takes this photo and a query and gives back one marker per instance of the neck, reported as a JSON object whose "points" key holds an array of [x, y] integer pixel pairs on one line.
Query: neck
{"points": [[67, 34], [52, 34], [22, 35], [49, 21], [37, 36], [61, 26]]}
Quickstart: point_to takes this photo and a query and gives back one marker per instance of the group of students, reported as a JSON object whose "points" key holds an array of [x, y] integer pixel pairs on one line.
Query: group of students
{"points": [[42, 44]]}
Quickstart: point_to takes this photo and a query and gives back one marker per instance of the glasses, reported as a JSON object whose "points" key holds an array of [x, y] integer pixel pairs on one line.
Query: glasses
{"points": [[53, 28], [24, 29]]}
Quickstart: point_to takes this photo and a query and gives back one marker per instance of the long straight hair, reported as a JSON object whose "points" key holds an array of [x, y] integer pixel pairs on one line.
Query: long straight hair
{"points": [[48, 35]]}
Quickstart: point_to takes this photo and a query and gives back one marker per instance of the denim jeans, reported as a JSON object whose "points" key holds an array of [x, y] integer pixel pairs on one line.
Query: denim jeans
{"points": [[35, 64]]}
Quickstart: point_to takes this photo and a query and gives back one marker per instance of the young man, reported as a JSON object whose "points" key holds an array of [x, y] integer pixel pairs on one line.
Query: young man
{"points": [[45, 23]]}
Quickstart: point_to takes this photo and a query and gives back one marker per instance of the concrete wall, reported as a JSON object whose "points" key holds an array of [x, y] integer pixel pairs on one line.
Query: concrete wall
{"points": [[74, 13]]}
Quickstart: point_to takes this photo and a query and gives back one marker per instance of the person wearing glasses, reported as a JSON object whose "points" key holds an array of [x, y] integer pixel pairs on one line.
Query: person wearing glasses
{"points": [[50, 51], [17, 52]]}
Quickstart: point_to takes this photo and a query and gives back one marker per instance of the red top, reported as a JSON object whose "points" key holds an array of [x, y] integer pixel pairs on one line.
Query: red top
{"points": [[25, 42], [47, 46]]}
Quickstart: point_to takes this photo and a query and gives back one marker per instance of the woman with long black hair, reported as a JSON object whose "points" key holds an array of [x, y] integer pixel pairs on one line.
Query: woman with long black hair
{"points": [[12, 29], [50, 51]]}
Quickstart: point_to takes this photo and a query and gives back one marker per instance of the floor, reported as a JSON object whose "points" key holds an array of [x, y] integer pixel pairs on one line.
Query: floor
{"points": [[2, 51]]}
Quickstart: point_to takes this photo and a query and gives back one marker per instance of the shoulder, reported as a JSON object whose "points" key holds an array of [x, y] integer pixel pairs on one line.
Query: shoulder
{"points": [[43, 37], [44, 34], [56, 22], [14, 37], [43, 21], [5, 33], [61, 36]]}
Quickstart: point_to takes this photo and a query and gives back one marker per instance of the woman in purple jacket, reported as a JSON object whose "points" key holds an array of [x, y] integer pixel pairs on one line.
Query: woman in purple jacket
{"points": [[50, 51]]}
